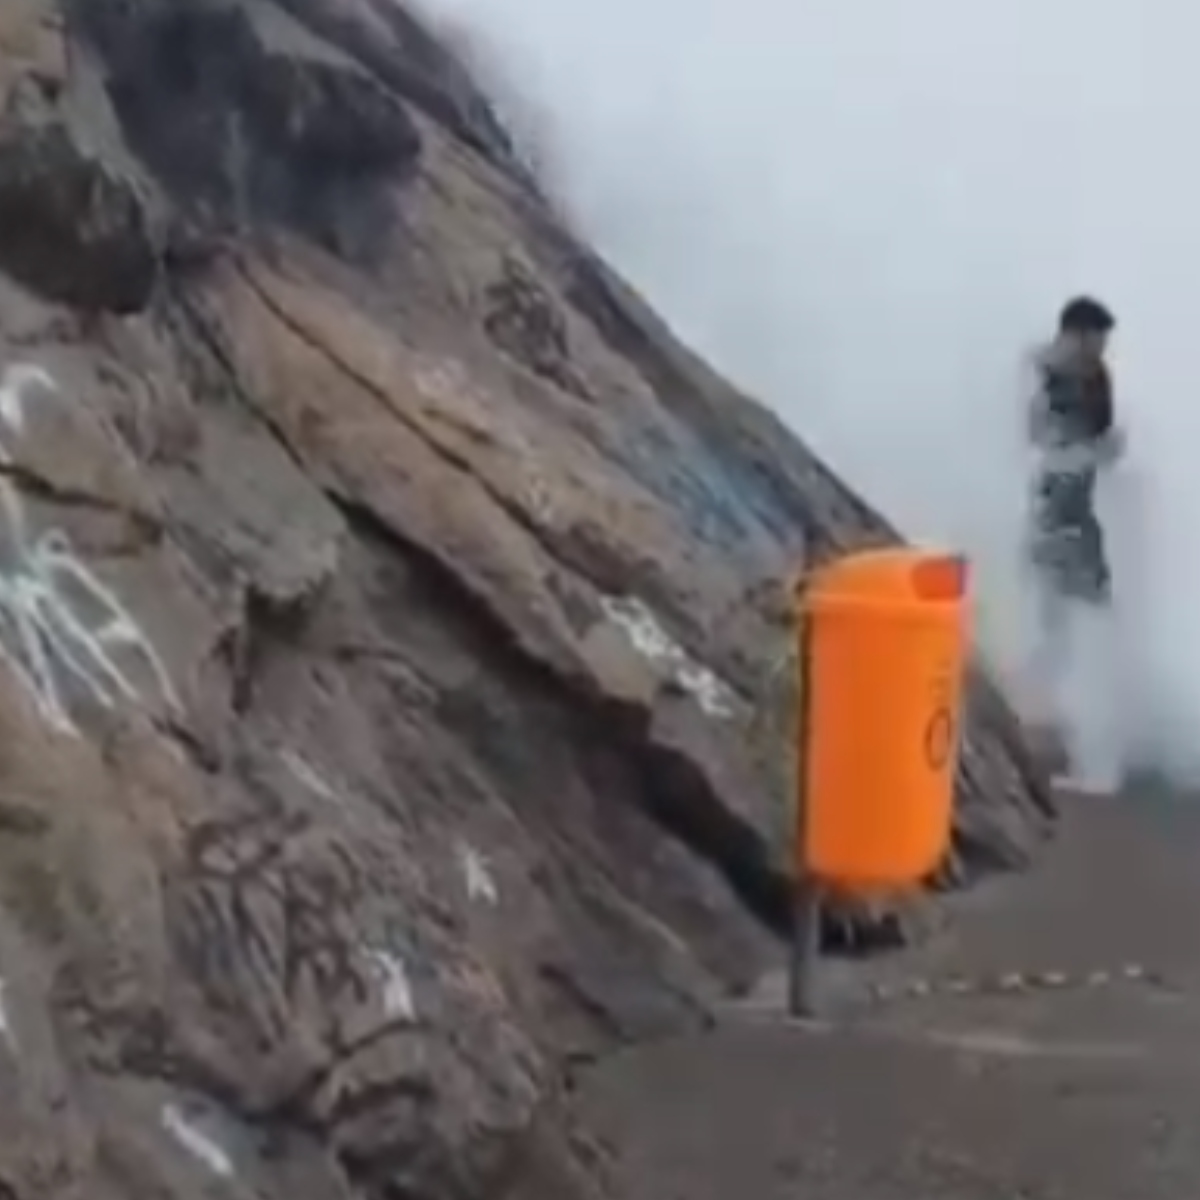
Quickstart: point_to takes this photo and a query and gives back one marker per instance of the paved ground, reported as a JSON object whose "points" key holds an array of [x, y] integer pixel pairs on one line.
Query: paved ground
{"points": [[1079, 1093]]}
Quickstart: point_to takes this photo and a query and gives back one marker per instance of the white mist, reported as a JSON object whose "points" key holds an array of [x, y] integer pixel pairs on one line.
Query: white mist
{"points": [[864, 211]]}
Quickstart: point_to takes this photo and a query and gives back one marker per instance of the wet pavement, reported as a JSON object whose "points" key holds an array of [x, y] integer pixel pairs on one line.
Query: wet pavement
{"points": [[1084, 1089]]}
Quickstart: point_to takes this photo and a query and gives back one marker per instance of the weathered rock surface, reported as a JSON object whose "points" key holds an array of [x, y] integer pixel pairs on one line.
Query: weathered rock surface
{"points": [[386, 620]]}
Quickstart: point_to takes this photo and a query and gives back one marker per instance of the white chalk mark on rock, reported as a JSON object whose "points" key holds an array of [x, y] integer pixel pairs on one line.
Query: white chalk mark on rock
{"points": [[18, 383], [651, 640], [443, 380], [6, 1029], [398, 999], [477, 876], [58, 621], [541, 506], [538, 497], [308, 776], [198, 1143]]}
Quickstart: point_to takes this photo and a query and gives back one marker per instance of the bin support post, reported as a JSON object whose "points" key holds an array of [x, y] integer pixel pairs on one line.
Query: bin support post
{"points": [[805, 943], [805, 949]]}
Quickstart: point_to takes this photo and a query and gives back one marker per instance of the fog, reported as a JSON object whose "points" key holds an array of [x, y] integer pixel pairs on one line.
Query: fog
{"points": [[865, 212]]}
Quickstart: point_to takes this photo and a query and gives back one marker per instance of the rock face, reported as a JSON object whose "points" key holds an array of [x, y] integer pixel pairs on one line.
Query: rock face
{"points": [[385, 609]]}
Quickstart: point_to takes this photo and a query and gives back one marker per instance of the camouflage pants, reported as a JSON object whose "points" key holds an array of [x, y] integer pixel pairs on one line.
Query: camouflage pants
{"points": [[1067, 542]]}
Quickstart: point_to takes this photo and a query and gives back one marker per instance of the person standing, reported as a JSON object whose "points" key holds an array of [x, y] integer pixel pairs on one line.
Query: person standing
{"points": [[1075, 435]]}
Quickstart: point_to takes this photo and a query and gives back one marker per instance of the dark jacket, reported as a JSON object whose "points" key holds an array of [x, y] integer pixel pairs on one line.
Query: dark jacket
{"points": [[1076, 406]]}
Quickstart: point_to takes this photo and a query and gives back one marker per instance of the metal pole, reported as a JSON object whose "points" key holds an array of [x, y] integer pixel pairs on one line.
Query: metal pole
{"points": [[806, 950], [805, 943]]}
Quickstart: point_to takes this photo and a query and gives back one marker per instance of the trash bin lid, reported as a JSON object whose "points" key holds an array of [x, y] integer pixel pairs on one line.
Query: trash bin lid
{"points": [[894, 573]]}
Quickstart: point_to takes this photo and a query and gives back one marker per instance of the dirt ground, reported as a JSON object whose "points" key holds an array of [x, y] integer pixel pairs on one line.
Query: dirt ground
{"points": [[1085, 1088]]}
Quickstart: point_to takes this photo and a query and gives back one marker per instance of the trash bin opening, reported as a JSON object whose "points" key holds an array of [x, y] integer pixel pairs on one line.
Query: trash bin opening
{"points": [[942, 578]]}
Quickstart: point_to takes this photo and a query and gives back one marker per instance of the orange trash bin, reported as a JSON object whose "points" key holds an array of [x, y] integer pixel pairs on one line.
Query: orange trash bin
{"points": [[884, 648]]}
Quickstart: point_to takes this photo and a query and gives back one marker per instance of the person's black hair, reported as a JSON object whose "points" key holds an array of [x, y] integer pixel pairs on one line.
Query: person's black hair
{"points": [[1085, 315]]}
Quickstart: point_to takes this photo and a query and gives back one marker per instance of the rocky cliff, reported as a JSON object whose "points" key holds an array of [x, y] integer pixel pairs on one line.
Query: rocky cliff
{"points": [[388, 607]]}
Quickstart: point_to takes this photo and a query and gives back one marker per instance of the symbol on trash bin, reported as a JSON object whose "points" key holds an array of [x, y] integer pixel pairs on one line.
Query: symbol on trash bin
{"points": [[939, 738]]}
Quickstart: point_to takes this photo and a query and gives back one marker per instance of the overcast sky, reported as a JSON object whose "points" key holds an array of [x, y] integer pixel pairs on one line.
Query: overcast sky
{"points": [[864, 210]]}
